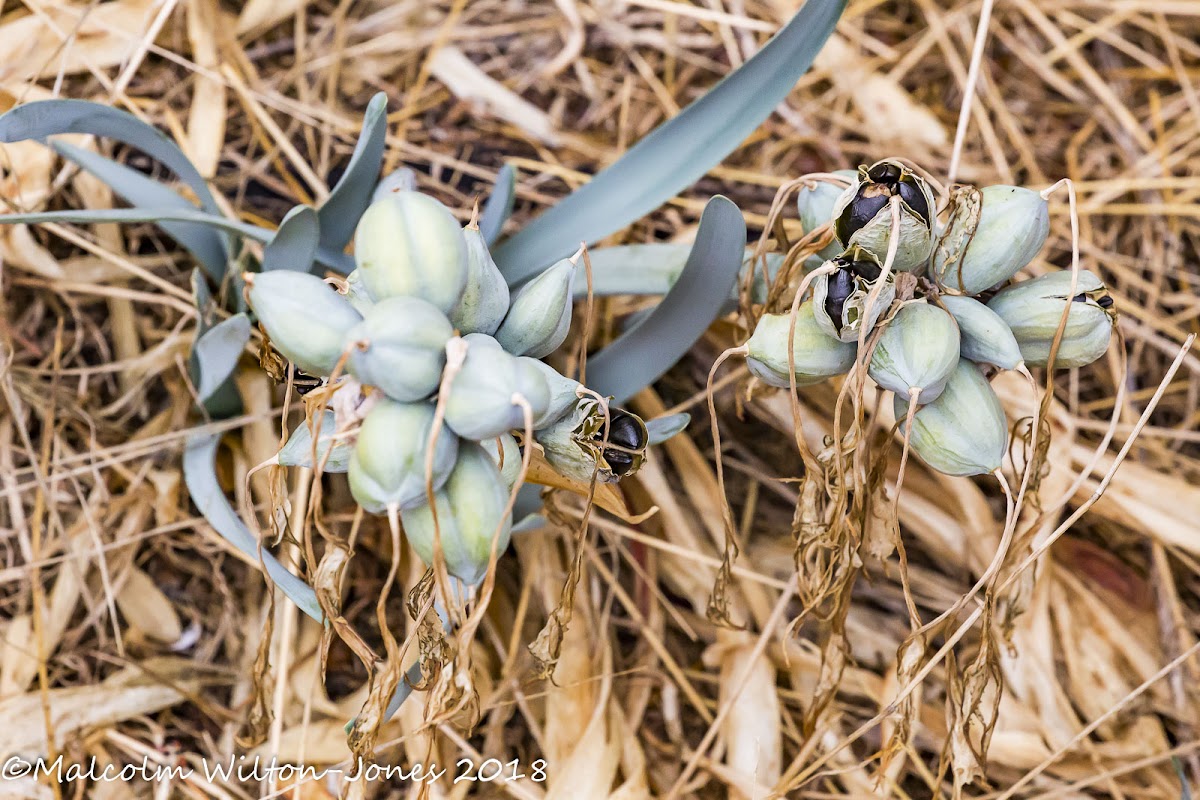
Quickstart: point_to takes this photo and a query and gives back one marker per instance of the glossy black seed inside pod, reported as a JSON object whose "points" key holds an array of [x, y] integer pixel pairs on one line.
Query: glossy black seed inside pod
{"points": [[886, 173], [861, 210], [1104, 301], [841, 286], [627, 434], [914, 198]]}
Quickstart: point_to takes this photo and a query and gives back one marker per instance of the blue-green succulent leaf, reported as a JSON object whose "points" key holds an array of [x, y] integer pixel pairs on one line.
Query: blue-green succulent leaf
{"points": [[641, 355], [660, 429], [216, 353], [350, 197], [138, 190], [499, 205], [294, 245], [677, 153], [49, 117], [200, 475], [338, 261]]}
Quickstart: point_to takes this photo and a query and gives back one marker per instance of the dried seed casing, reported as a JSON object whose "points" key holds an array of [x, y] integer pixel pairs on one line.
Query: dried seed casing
{"points": [[305, 317], [992, 234], [409, 245], [470, 509], [963, 431], [400, 347], [817, 356], [917, 350], [573, 445], [388, 464], [840, 297], [861, 215], [1032, 310]]}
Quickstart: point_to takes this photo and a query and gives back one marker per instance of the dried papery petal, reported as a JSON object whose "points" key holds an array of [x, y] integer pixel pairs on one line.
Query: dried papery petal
{"points": [[816, 355], [540, 315], [815, 206], [485, 299], [480, 404], [388, 465], [409, 245], [470, 512], [917, 350], [861, 215], [400, 347], [991, 235], [984, 337], [1033, 309], [305, 317], [963, 431]]}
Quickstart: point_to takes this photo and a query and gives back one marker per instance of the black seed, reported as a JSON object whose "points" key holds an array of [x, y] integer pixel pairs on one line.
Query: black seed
{"points": [[1079, 298], [628, 434], [867, 270], [841, 286], [1104, 301], [911, 194], [860, 211], [303, 382], [886, 173]]}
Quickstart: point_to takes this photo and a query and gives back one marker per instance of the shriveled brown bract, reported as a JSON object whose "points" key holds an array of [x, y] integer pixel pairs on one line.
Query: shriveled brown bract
{"points": [[107, 570]]}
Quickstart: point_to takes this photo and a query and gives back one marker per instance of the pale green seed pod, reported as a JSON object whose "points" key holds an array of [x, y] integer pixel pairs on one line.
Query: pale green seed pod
{"points": [[564, 392], [484, 301], [573, 445], [357, 294], [388, 465], [861, 215], [305, 317], [471, 512], [840, 298], [983, 336], [991, 235], [815, 205], [481, 401], [505, 451], [963, 431], [917, 350], [400, 347], [817, 356], [298, 451], [1032, 310], [409, 245], [540, 315]]}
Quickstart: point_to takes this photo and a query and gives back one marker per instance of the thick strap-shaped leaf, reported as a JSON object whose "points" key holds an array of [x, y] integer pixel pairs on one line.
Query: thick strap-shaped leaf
{"points": [[499, 205], [199, 473], [660, 429], [202, 241], [294, 245], [641, 355], [350, 197], [677, 153], [50, 117], [336, 261], [216, 353]]}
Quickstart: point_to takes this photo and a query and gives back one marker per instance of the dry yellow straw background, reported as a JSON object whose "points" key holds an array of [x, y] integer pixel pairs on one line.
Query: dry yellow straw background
{"points": [[128, 629]]}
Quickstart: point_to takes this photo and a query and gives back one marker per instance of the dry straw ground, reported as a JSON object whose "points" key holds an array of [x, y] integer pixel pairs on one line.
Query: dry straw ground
{"points": [[129, 629]]}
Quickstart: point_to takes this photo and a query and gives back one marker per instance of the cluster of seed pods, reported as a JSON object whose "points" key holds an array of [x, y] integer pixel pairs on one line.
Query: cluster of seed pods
{"points": [[434, 380], [962, 311]]}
